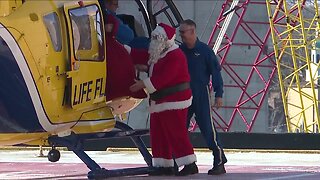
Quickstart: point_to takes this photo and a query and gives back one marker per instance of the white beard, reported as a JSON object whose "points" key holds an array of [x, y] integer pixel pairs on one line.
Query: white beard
{"points": [[156, 48]]}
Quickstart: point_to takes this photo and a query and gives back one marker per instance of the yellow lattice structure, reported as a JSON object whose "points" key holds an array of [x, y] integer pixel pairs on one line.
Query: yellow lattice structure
{"points": [[294, 39]]}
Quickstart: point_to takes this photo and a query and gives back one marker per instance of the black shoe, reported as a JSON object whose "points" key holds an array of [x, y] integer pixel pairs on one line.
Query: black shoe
{"points": [[217, 170], [188, 169], [162, 171]]}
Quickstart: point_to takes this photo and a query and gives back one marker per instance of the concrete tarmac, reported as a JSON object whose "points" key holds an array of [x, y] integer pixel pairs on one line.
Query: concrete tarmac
{"points": [[246, 165]]}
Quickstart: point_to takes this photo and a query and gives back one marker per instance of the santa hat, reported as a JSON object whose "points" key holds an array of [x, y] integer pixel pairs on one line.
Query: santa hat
{"points": [[170, 31]]}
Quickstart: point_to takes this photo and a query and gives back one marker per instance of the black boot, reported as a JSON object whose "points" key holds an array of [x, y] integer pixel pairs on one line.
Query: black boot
{"points": [[188, 169], [162, 171], [217, 170]]}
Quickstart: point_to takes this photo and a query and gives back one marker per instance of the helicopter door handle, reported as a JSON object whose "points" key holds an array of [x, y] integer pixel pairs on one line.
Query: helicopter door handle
{"points": [[71, 74]]}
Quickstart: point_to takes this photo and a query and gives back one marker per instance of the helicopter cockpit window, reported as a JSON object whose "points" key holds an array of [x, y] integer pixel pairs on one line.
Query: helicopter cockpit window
{"points": [[53, 26], [87, 33], [135, 20], [166, 12]]}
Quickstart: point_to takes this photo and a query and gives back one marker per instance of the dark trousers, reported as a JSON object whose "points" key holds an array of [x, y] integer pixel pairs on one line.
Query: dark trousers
{"points": [[201, 108]]}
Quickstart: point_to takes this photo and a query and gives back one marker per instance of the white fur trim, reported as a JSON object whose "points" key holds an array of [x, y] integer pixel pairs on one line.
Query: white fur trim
{"points": [[185, 160], [150, 88], [171, 41], [159, 31], [151, 69], [173, 47], [161, 162], [169, 105], [128, 48]]}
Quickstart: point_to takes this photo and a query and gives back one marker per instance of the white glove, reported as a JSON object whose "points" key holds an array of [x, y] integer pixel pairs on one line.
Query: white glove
{"points": [[128, 48]]}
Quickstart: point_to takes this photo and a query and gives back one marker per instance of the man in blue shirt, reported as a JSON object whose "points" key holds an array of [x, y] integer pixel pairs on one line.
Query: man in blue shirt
{"points": [[125, 34], [202, 64]]}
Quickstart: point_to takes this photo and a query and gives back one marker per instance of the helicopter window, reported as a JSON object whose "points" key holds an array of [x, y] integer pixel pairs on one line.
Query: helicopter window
{"points": [[163, 12], [53, 26], [165, 15], [87, 33], [135, 19]]}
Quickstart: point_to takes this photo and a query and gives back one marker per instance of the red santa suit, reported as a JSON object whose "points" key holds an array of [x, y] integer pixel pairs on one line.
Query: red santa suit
{"points": [[168, 132]]}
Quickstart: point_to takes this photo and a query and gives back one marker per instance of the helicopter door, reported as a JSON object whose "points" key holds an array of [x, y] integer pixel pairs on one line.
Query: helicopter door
{"points": [[87, 54]]}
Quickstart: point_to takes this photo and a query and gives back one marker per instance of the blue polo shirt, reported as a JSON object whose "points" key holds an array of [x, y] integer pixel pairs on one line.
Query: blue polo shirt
{"points": [[202, 63]]}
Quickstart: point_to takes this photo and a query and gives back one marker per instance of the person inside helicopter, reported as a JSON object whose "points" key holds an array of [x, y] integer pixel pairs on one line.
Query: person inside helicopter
{"points": [[120, 69], [129, 32]]}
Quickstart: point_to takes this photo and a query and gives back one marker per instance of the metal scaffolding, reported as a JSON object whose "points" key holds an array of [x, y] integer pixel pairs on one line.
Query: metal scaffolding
{"points": [[295, 32], [235, 31]]}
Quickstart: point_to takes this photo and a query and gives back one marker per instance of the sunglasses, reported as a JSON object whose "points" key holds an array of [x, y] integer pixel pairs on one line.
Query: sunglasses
{"points": [[184, 31], [157, 37]]}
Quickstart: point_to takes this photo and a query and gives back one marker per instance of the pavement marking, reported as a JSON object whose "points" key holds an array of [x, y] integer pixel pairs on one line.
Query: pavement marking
{"points": [[288, 177]]}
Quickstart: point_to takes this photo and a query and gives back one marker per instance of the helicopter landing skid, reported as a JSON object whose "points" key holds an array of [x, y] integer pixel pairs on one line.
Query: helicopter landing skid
{"points": [[74, 142]]}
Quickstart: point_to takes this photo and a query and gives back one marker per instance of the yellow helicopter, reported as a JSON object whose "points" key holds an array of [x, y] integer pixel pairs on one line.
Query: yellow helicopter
{"points": [[53, 77]]}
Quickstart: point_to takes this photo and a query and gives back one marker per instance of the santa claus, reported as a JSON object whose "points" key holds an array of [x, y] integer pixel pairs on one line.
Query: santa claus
{"points": [[170, 97]]}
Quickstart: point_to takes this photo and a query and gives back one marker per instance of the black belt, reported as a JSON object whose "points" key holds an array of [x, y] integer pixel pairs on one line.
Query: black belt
{"points": [[168, 91]]}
